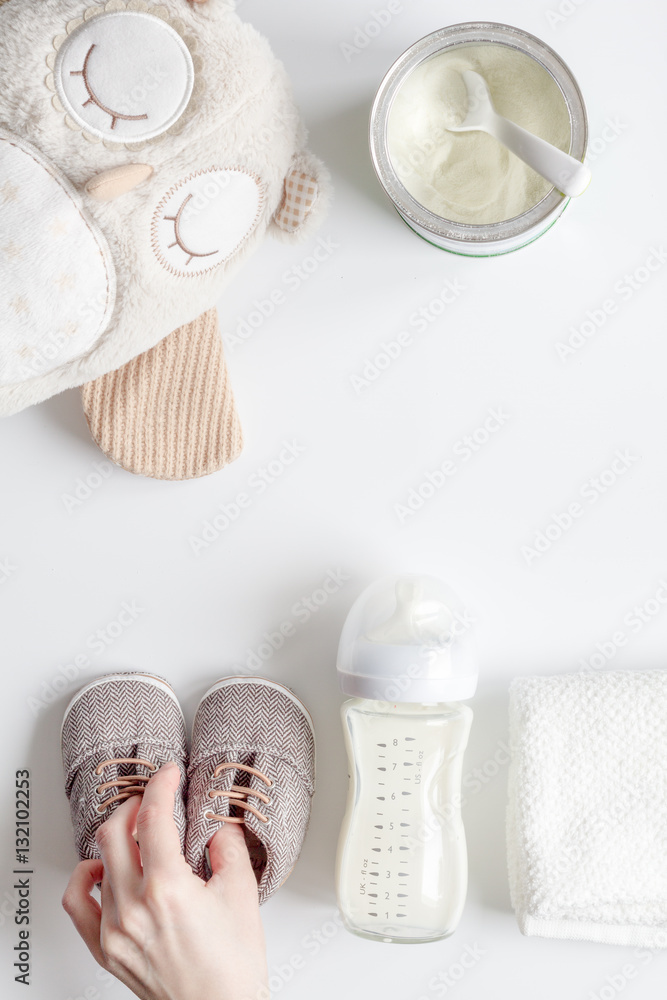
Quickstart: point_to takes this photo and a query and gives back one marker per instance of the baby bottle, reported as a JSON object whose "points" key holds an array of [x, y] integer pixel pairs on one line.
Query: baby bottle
{"points": [[405, 658]]}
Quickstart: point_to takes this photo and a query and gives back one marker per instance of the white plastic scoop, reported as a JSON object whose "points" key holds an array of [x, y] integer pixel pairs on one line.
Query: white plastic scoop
{"points": [[565, 173]]}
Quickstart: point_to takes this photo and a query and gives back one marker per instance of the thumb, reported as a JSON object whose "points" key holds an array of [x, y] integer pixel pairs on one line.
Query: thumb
{"points": [[230, 862]]}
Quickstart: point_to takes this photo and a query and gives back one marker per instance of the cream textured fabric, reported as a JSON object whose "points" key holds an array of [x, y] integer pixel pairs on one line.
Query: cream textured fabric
{"points": [[262, 725], [587, 814], [121, 715], [170, 413], [241, 117]]}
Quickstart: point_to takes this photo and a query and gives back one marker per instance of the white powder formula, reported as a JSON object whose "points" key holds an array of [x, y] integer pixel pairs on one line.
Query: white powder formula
{"points": [[470, 177]]}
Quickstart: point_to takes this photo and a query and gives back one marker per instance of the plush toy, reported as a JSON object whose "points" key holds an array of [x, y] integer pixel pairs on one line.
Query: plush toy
{"points": [[146, 148]]}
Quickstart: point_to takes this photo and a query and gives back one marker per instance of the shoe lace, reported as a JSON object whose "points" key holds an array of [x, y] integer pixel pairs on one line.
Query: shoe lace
{"points": [[127, 784], [239, 795]]}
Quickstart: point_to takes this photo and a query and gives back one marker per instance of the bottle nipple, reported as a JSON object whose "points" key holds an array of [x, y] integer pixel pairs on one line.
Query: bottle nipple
{"points": [[418, 619]]}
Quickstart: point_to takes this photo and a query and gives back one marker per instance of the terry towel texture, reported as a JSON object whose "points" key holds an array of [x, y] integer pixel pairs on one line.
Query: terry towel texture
{"points": [[587, 812]]}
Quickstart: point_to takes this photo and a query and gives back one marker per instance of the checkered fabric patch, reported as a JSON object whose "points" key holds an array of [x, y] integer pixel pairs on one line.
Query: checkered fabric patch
{"points": [[301, 192]]}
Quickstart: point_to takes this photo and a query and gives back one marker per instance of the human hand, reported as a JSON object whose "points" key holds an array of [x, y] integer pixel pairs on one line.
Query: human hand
{"points": [[161, 930]]}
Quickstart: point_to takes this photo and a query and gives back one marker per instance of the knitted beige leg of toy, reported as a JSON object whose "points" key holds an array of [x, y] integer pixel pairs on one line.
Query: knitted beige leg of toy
{"points": [[169, 413]]}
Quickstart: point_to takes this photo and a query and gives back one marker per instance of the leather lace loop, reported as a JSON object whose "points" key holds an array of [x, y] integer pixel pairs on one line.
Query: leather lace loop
{"points": [[127, 784], [238, 795]]}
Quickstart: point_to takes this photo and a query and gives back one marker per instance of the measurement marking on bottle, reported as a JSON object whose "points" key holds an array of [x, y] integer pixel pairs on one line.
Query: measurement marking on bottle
{"points": [[381, 745], [372, 914], [382, 768], [410, 739], [379, 826], [406, 793], [402, 895], [408, 763], [380, 798], [403, 875], [373, 895]]}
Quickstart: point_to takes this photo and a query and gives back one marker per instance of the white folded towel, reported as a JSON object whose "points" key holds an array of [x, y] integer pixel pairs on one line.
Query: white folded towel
{"points": [[587, 811]]}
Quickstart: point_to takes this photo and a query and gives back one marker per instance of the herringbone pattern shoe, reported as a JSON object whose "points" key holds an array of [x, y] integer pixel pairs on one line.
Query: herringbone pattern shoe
{"points": [[252, 762], [116, 732]]}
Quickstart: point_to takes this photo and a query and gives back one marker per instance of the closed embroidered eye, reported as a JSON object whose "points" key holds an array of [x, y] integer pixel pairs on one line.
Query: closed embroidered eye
{"points": [[178, 242], [92, 99]]}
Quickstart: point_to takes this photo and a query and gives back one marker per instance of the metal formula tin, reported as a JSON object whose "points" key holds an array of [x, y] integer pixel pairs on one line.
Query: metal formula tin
{"points": [[463, 238]]}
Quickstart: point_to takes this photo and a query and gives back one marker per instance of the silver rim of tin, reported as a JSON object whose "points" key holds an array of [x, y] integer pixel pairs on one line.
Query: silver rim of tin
{"points": [[457, 235]]}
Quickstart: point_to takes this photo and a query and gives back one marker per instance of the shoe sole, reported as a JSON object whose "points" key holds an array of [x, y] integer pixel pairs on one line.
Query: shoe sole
{"points": [[265, 682], [143, 678]]}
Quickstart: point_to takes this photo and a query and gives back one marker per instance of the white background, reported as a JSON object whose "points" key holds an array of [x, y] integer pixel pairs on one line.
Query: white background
{"points": [[334, 507]]}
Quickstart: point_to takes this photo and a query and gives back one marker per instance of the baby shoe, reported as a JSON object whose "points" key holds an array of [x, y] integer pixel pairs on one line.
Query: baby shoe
{"points": [[252, 762], [116, 732]]}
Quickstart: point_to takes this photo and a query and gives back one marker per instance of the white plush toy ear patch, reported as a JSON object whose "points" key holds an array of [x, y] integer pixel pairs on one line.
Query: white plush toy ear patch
{"points": [[57, 279], [124, 76], [205, 218]]}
